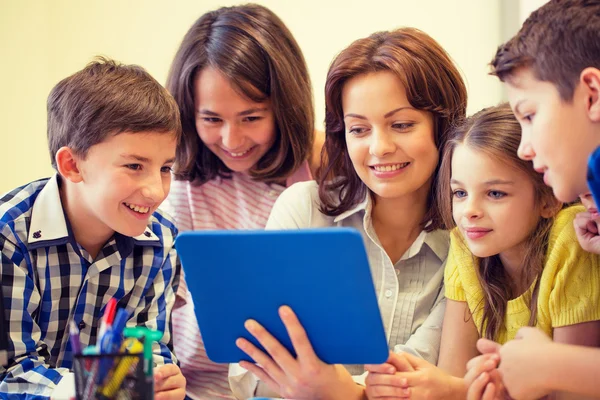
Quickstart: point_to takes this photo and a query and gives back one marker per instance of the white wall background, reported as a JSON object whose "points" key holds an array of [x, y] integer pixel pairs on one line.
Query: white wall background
{"points": [[42, 42]]}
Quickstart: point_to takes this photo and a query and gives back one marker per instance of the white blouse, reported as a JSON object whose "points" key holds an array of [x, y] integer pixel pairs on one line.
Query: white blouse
{"points": [[410, 293]]}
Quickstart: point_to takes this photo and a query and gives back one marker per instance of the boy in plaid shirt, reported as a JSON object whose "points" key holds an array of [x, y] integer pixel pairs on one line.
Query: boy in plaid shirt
{"points": [[92, 232]]}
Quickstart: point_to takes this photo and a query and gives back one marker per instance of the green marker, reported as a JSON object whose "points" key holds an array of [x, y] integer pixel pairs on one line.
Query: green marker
{"points": [[148, 336]]}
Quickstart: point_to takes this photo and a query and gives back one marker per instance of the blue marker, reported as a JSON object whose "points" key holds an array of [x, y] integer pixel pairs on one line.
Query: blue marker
{"points": [[110, 343]]}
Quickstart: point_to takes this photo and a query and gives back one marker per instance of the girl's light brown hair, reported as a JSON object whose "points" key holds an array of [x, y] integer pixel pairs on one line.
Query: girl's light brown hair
{"points": [[257, 53], [495, 131], [432, 83]]}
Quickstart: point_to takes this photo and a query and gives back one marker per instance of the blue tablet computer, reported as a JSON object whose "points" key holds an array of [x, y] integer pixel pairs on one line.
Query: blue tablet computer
{"points": [[322, 274]]}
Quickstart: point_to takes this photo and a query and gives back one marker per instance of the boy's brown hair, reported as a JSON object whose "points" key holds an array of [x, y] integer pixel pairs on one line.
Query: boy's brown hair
{"points": [[257, 53], [104, 99], [557, 42], [432, 83]]}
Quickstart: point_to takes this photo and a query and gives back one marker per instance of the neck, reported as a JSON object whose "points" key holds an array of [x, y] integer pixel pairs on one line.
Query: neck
{"points": [[512, 261], [89, 233], [397, 222]]}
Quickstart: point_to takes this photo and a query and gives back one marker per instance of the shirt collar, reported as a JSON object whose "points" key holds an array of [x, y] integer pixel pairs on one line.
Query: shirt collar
{"points": [[49, 225], [438, 241]]}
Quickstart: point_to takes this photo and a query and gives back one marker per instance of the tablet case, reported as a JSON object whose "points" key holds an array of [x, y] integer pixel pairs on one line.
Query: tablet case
{"points": [[322, 274]]}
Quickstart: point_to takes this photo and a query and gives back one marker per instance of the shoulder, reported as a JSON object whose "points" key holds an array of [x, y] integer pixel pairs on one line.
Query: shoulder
{"points": [[18, 202], [298, 206], [460, 264], [562, 232], [304, 190], [16, 206], [303, 195], [566, 262]]}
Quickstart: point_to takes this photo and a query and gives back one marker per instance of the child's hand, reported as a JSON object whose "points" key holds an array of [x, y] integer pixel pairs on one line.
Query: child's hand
{"points": [[522, 362], [382, 381], [426, 381], [587, 232], [169, 383], [483, 379]]}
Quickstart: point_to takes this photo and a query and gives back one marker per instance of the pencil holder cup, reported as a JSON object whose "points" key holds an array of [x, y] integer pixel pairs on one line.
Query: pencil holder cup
{"points": [[112, 376]]}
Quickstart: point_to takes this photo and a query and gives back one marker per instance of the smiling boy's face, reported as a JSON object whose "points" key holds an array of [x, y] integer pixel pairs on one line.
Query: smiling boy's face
{"points": [[557, 136], [123, 181]]}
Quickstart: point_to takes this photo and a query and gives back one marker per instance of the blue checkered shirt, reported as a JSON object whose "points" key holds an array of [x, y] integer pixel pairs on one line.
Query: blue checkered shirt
{"points": [[48, 280]]}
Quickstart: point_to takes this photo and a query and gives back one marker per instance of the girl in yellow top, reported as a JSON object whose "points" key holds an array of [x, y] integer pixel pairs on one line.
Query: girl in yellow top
{"points": [[514, 261]]}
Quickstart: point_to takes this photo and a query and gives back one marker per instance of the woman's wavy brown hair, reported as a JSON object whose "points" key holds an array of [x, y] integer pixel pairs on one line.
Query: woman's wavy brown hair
{"points": [[256, 52], [495, 131], [432, 83]]}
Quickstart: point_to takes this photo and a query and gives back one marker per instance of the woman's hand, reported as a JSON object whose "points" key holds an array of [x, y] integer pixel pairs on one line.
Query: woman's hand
{"points": [[303, 377]]}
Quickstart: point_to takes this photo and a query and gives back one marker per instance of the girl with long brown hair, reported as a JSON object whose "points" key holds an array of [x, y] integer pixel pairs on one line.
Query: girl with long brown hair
{"points": [[514, 261], [245, 98]]}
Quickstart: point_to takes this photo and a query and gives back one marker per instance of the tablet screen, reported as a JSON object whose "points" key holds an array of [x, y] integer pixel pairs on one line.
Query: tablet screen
{"points": [[322, 274]]}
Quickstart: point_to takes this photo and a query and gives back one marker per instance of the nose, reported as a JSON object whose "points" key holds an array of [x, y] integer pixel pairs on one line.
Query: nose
{"points": [[156, 187], [472, 210], [381, 143], [231, 137], [525, 151]]}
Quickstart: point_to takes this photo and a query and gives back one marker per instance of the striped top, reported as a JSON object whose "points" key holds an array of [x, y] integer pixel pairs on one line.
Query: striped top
{"points": [[236, 203]]}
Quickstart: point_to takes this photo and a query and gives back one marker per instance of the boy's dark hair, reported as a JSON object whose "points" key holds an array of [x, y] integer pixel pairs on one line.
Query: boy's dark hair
{"points": [[432, 84], [257, 53], [104, 99], [557, 42]]}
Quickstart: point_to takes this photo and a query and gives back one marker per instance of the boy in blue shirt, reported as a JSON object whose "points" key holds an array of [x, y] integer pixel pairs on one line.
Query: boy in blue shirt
{"points": [[92, 232], [551, 70]]}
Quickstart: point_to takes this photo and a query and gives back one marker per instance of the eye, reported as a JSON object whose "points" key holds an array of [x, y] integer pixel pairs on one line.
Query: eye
{"points": [[357, 131], [252, 119], [211, 120], [166, 170], [134, 167], [403, 125], [459, 194], [528, 118], [495, 194]]}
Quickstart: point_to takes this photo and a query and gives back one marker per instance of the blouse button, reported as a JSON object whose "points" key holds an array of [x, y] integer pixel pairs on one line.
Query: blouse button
{"points": [[388, 293]]}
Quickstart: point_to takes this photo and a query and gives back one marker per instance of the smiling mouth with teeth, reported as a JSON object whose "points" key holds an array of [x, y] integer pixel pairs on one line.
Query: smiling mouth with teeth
{"points": [[232, 154], [138, 209], [389, 168]]}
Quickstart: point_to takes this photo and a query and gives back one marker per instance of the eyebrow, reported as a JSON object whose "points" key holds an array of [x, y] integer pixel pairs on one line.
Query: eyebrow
{"points": [[487, 183], [387, 115], [240, 114], [145, 159]]}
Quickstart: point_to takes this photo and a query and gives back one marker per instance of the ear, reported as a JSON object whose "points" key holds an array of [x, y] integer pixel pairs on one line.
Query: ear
{"points": [[590, 81], [550, 206], [67, 163]]}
